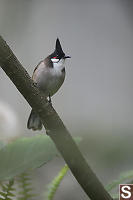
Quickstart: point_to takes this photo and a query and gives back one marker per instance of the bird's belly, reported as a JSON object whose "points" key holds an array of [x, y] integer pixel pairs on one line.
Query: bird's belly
{"points": [[52, 84]]}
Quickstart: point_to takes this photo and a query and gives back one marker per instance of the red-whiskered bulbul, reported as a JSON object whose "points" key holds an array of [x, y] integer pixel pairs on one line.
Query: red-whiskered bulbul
{"points": [[48, 76]]}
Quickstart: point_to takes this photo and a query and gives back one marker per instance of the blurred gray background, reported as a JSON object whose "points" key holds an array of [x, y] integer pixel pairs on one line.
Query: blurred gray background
{"points": [[96, 100]]}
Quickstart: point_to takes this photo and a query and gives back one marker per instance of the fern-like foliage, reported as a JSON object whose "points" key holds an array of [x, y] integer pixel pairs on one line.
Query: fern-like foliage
{"points": [[7, 190], [53, 186], [25, 187], [126, 176]]}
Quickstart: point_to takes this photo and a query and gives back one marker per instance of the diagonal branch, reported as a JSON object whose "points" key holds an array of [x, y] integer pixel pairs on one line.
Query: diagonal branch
{"points": [[51, 121]]}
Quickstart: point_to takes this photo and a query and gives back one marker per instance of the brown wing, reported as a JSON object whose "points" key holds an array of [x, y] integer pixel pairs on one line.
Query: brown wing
{"points": [[36, 69]]}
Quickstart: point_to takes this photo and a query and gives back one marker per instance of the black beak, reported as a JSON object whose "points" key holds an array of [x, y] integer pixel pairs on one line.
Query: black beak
{"points": [[66, 57]]}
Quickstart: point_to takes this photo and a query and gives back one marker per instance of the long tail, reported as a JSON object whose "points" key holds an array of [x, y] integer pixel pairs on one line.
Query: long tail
{"points": [[34, 121]]}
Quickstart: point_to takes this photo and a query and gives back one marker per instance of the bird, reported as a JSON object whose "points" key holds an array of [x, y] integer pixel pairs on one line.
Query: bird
{"points": [[48, 76]]}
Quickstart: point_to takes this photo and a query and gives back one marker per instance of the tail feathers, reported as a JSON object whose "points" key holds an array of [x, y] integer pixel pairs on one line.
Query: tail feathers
{"points": [[34, 121]]}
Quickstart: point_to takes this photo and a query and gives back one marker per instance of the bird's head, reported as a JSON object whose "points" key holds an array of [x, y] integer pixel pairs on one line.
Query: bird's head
{"points": [[58, 54]]}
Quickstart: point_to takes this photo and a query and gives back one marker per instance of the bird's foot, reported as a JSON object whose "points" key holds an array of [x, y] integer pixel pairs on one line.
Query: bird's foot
{"points": [[49, 99]]}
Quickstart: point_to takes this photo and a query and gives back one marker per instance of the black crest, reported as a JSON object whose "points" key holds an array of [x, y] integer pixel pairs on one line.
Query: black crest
{"points": [[58, 47], [58, 50]]}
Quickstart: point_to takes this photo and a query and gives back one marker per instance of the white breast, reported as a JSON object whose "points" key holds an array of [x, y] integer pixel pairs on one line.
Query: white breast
{"points": [[58, 66]]}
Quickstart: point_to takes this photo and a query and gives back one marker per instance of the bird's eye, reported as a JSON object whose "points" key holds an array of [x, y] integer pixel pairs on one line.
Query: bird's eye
{"points": [[57, 56]]}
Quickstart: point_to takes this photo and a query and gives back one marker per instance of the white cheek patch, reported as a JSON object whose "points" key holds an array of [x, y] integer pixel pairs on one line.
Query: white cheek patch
{"points": [[54, 60]]}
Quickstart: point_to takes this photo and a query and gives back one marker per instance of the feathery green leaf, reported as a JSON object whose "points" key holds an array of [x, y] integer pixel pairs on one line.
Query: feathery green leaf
{"points": [[7, 190], [53, 186], [123, 177], [25, 186]]}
